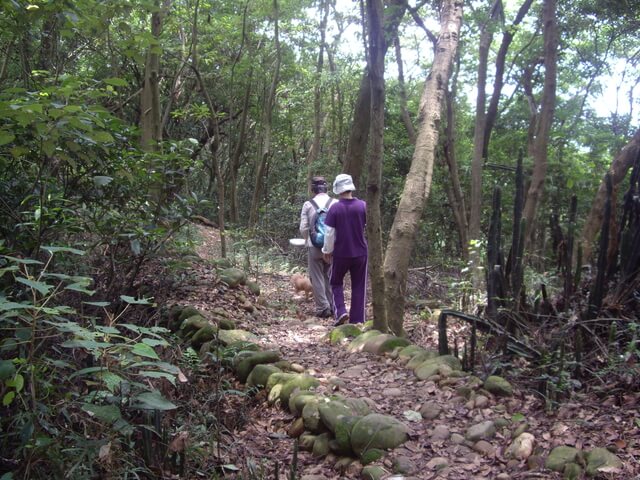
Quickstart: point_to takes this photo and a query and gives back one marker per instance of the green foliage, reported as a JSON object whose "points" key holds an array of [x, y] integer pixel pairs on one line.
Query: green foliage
{"points": [[59, 363]]}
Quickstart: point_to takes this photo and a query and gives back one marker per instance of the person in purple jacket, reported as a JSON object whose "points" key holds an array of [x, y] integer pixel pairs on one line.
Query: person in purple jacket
{"points": [[345, 247]]}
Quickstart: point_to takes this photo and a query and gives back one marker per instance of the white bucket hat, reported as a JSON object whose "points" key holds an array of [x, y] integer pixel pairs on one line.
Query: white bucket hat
{"points": [[343, 183]]}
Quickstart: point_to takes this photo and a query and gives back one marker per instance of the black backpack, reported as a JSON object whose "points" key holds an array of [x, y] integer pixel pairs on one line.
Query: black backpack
{"points": [[317, 232]]}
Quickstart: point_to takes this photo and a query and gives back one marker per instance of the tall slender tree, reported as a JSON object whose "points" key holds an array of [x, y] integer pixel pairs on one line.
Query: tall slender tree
{"points": [[418, 182]]}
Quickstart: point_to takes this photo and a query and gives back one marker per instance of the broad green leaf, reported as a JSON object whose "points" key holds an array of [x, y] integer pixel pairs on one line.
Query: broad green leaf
{"points": [[88, 344], [151, 374], [167, 367], [78, 287], [116, 82], [25, 261], [5, 306], [105, 413], [6, 137], [8, 398], [54, 249], [102, 137], [97, 304], [154, 401], [101, 180], [107, 329], [144, 351], [85, 371], [16, 382], [154, 343], [135, 301], [43, 288], [12, 268], [111, 380]]}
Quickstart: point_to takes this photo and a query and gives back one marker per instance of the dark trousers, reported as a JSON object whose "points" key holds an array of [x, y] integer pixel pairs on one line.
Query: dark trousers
{"points": [[357, 269]]}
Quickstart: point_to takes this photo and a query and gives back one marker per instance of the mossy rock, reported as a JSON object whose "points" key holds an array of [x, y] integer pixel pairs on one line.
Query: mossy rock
{"points": [[348, 330], [244, 366], [332, 411], [432, 366], [278, 379], [233, 277], [358, 405], [342, 431], [187, 312], [376, 431], [381, 344], [371, 455], [243, 346], [260, 374], [601, 459], [306, 441], [420, 358], [205, 334], [374, 472], [229, 337], [572, 471], [300, 382], [407, 353], [226, 324], [253, 287], [498, 386], [221, 263], [173, 317], [358, 343], [426, 369], [311, 416], [559, 457], [321, 445], [299, 399], [192, 324]]}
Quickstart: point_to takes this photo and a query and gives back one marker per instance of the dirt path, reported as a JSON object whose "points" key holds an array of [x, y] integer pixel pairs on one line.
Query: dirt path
{"points": [[437, 448]]}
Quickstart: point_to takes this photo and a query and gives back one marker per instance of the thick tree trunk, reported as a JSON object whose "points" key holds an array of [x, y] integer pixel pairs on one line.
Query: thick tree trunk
{"points": [[359, 134], [544, 120], [374, 179], [418, 182], [267, 118], [618, 170]]}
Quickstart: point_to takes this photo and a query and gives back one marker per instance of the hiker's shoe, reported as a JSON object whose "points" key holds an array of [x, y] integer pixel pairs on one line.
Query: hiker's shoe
{"points": [[326, 313], [344, 318]]}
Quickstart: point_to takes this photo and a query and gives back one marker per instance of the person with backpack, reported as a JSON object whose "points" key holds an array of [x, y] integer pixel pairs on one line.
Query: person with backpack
{"points": [[312, 230], [345, 247]]}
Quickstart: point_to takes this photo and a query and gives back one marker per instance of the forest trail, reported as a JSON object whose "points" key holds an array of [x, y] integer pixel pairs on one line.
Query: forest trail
{"points": [[437, 448]]}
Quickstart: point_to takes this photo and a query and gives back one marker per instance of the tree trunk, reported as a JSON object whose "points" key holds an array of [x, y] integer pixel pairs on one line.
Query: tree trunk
{"points": [[359, 134], [618, 170], [317, 96], [214, 140], [544, 120], [498, 81], [267, 118], [418, 182], [486, 37], [454, 191], [404, 112], [374, 223], [150, 113]]}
